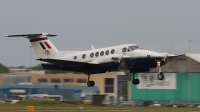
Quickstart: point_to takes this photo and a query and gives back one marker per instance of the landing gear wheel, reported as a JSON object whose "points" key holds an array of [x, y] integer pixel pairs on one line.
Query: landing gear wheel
{"points": [[90, 83], [135, 81], [93, 83], [160, 76]]}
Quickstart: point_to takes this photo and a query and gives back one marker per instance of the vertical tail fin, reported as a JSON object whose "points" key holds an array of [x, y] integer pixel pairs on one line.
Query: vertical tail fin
{"points": [[41, 44]]}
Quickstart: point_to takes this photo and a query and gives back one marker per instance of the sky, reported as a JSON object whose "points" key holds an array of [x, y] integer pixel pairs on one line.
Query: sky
{"points": [[158, 25]]}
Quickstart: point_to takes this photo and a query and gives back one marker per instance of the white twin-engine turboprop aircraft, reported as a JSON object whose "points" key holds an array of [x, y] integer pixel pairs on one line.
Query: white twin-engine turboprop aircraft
{"points": [[128, 58]]}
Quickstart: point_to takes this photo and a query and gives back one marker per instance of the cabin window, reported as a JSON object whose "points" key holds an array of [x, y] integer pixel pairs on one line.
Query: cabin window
{"points": [[75, 57], [97, 54], [102, 53], [124, 49], [92, 55], [107, 52], [83, 56], [112, 51]]}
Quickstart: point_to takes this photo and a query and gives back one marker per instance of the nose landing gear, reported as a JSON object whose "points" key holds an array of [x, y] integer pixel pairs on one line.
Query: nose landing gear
{"points": [[135, 81], [90, 83], [160, 75]]}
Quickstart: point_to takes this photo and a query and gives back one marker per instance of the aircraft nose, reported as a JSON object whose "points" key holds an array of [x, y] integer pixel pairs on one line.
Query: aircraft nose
{"points": [[148, 54]]}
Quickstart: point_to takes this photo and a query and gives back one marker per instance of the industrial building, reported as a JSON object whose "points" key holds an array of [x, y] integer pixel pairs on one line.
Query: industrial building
{"points": [[181, 83], [68, 92], [104, 82]]}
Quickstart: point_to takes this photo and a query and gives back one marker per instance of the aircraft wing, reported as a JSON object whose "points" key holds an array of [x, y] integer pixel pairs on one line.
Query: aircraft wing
{"points": [[171, 57], [67, 62]]}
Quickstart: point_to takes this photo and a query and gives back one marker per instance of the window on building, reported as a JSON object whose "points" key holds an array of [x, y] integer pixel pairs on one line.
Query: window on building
{"points": [[109, 81], [102, 53], [55, 80], [68, 80], [81, 80], [112, 51], [109, 89], [42, 80], [109, 85], [14, 79]]}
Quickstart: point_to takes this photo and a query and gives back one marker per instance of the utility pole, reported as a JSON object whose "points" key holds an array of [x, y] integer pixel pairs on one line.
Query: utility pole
{"points": [[189, 74], [30, 64], [30, 57]]}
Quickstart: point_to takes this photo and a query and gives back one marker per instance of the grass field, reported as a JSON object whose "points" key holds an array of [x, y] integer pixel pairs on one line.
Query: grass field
{"points": [[57, 107]]}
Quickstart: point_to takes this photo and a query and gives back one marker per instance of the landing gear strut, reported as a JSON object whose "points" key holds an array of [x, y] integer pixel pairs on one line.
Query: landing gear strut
{"points": [[135, 81], [160, 75], [90, 83]]}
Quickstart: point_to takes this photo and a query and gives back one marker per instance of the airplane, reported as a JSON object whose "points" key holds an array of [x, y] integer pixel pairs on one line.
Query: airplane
{"points": [[129, 58]]}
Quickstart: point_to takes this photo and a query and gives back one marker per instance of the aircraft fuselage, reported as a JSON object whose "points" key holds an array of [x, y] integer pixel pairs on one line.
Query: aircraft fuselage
{"points": [[116, 58]]}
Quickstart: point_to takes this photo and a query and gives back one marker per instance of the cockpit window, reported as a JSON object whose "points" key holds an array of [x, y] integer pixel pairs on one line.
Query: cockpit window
{"points": [[134, 47], [124, 49]]}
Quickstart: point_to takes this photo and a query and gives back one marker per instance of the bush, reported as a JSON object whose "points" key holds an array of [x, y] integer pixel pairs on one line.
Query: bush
{"points": [[38, 103]]}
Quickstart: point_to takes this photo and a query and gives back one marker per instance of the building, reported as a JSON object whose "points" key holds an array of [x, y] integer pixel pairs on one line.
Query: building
{"points": [[68, 92], [104, 82], [181, 83]]}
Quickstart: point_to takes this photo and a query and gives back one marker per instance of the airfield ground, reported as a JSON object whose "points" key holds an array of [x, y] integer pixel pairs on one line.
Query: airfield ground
{"points": [[89, 108]]}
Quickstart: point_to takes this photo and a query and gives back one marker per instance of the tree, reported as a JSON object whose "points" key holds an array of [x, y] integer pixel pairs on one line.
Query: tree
{"points": [[3, 69], [37, 67], [56, 86]]}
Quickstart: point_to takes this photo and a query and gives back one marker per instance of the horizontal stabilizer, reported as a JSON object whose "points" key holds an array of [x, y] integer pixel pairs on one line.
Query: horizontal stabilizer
{"points": [[33, 35]]}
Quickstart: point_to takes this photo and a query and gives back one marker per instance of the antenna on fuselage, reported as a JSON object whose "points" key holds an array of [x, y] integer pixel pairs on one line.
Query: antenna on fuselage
{"points": [[92, 47]]}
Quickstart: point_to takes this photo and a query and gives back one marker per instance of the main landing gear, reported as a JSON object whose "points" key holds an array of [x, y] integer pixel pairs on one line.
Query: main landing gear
{"points": [[160, 75], [90, 83], [135, 81]]}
